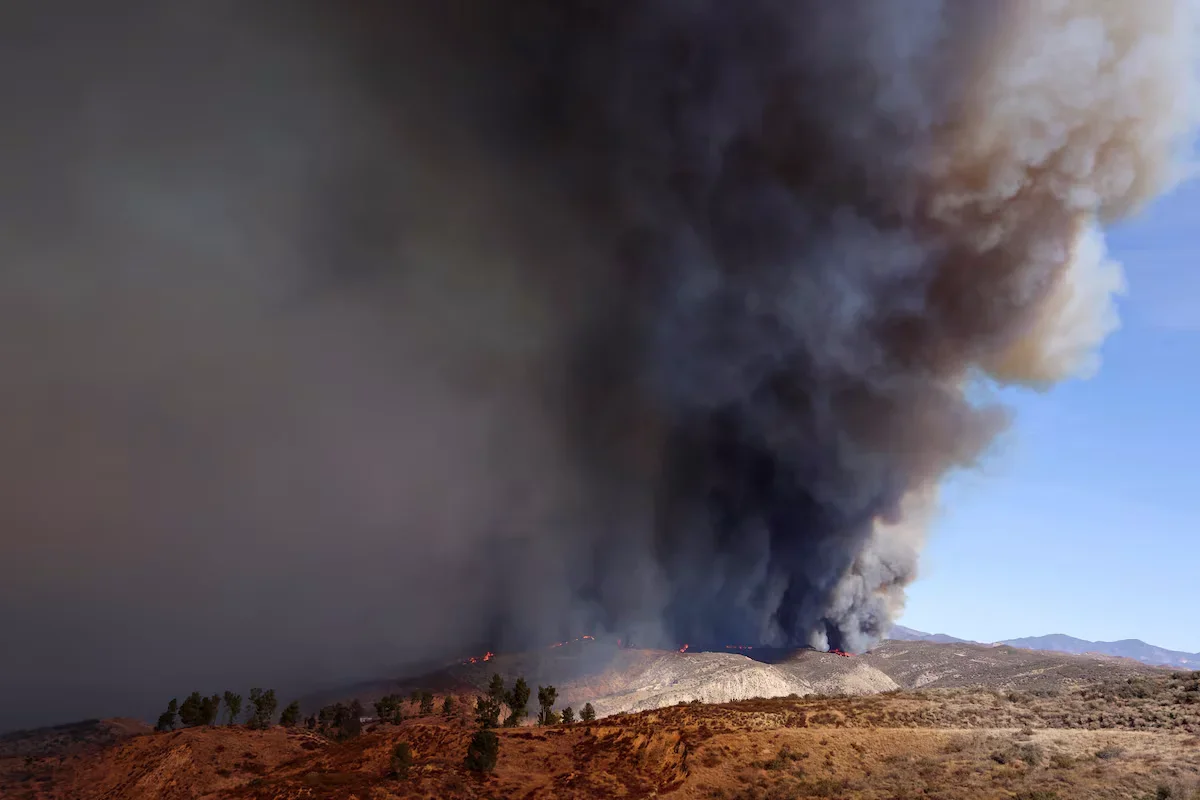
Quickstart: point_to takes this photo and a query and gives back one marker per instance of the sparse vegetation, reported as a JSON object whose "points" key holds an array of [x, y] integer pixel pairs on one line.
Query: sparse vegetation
{"points": [[487, 708], [482, 752], [191, 712], [547, 696], [262, 708], [166, 720], [518, 702], [390, 708], [487, 715], [402, 760], [197, 710], [766, 749], [233, 706], [291, 715], [341, 721], [784, 759]]}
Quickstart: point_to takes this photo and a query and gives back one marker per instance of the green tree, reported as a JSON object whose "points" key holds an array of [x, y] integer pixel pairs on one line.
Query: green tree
{"points": [[415, 696], [262, 708], [341, 721], [402, 760], [547, 695], [290, 715], [448, 706], [191, 712], [568, 716], [482, 752], [210, 707], [588, 714], [389, 708], [487, 713], [233, 705], [426, 703], [166, 720], [496, 689], [518, 700]]}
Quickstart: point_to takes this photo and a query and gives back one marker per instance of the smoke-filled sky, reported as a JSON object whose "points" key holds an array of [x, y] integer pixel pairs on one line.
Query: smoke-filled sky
{"points": [[1083, 521], [361, 333]]}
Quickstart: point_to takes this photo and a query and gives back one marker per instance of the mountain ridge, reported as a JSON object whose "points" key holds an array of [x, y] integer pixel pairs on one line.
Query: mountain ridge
{"points": [[1135, 649]]}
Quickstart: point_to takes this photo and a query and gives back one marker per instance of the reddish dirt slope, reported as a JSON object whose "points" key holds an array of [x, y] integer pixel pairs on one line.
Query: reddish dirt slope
{"points": [[1112, 740]]}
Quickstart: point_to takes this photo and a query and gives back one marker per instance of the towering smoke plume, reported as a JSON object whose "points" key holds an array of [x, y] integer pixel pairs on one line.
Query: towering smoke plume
{"points": [[512, 319]]}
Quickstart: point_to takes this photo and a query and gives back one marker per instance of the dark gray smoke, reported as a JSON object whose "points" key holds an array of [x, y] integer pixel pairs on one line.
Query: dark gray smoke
{"points": [[370, 331]]}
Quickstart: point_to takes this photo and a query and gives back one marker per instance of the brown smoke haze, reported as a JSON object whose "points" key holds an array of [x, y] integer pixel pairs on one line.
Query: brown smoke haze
{"points": [[339, 336]]}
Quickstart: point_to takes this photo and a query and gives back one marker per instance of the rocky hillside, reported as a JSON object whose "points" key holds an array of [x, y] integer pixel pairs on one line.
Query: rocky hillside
{"points": [[617, 681], [1114, 739]]}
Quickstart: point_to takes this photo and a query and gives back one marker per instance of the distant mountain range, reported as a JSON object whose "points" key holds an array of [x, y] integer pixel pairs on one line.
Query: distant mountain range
{"points": [[1135, 649], [903, 634]]}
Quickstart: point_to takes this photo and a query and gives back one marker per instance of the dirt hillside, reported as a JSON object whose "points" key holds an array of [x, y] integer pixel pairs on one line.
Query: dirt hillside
{"points": [[1116, 738]]}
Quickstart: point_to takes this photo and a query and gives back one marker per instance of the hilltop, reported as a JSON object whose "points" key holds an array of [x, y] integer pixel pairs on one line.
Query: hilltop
{"points": [[616, 680]]}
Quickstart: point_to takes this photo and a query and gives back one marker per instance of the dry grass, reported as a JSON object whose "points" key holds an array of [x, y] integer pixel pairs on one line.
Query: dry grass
{"points": [[1115, 739]]}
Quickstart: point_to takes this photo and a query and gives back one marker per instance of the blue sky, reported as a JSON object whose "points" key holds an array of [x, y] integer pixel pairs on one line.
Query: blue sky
{"points": [[1084, 517]]}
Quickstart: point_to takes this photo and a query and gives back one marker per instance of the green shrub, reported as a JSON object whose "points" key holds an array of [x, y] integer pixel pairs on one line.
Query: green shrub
{"points": [[482, 752], [402, 760]]}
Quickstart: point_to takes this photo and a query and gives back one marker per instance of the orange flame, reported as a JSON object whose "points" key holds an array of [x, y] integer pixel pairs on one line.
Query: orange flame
{"points": [[576, 639], [683, 649], [488, 656]]}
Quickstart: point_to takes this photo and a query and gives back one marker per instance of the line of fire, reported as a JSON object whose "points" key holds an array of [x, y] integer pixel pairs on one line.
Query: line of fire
{"points": [[626, 644]]}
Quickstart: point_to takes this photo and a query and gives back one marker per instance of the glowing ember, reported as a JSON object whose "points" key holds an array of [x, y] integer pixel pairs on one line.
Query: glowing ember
{"points": [[578, 639], [683, 649], [488, 656]]}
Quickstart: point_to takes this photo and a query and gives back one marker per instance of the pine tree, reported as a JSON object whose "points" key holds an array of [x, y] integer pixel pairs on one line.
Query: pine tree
{"points": [[262, 708], [568, 716], [448, 706], [166, 720], [233, 705], [487, 713], [191, 712], [518, 700], [547, 695], [426, 703], [482, 752], [290, 715], [588, 714], [210, 707], [341, 721], [496, 689], [388, 708], [402, 760]]}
